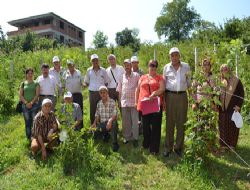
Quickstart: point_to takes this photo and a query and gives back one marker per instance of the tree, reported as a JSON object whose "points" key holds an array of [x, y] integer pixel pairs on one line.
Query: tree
{"points": [[176, 20], [206, 31], [233, 28], [128, 37], [100, 39]]}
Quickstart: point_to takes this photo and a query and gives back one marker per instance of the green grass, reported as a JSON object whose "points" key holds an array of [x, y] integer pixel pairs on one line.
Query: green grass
{"points": [[130, 168]]}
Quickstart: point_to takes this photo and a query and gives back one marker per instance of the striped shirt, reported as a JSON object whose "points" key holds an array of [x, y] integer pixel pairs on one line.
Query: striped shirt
{"points": [[126, 87], [43, 125], [105, 112]]}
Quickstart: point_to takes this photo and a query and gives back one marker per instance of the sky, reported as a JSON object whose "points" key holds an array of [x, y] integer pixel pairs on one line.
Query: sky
{"points": [[112, 16]]}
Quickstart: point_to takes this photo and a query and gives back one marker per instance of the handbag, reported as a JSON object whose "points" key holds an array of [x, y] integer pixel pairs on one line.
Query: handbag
{"points": [[19, 107], [150, 106]]}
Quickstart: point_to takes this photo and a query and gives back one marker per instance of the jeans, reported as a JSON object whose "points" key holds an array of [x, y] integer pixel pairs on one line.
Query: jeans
{"points": [[29, 115], [114, 130]]}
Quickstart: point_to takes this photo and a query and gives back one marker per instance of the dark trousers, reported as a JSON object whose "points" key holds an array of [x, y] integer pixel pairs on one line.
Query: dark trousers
{"points": [[113, 94], [94, 98], [29, 115], [176, 116], [104, 131], [78, 98], [151, 124]]}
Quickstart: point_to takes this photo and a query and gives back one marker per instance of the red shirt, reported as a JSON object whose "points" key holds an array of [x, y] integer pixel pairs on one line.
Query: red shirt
{"points": [[154, 83]]}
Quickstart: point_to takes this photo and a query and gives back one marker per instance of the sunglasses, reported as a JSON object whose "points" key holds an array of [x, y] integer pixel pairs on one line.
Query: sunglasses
{"points": [[152, 65]]}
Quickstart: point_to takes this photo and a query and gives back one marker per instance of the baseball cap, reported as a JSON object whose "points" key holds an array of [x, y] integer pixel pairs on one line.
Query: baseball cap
{"points": [[67, 95], [134, 59], [70, 62], [55, 59], [126, 61], [174, 49], [94, 56]]}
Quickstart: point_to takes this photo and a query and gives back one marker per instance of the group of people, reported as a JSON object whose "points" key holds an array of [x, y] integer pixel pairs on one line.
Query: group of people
{"points": [[141, 99]]}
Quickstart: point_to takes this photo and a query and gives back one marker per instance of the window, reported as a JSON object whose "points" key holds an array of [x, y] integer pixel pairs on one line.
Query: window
{"points": [[47, 21], [61, 25], [61, 39], [80, 34]]}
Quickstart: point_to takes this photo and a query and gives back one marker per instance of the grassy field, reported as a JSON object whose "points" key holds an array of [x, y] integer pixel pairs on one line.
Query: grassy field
{"points": [[131, 168]]}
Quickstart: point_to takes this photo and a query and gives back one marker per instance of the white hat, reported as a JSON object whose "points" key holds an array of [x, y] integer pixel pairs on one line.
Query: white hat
{"points": [[70, 62], [103, 88], [127, 61], [174, 49], [237, 119], [55, 59], [94, 56], [46, 101], [67, 95], [134, 59]]}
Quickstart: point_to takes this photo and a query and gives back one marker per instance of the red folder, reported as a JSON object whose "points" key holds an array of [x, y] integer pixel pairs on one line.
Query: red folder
{"points": [[150, 106]]}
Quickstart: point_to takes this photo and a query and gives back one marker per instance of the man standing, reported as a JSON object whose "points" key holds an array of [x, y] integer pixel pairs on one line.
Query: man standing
{"points": [[106, 117], [135, 65], [135, 68], [177, 80], [48, 86], [72, 112], [44, 127], [115, 73], [57, 72], [126, 88], [96, 76], [73, 82]]}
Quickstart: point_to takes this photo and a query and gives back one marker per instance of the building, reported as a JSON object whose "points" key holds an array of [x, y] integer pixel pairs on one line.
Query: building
{"points": [[51, 26]]}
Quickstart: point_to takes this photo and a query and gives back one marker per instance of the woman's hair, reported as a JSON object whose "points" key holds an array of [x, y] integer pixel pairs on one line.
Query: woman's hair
{"points": [[225, 66], [155, 62], [206, 60], [28, 70]]}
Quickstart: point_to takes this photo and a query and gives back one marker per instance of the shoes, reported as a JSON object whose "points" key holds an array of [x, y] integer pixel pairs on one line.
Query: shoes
{"points": [[116, 147], [166, 154], [154, 153], [106, 137], [178, 152], [125, 141], [135, 143]]}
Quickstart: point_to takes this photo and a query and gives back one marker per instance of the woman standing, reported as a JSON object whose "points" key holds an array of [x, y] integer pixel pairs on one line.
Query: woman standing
{"points": [[151, 86], [28, 94], [232, 95]]}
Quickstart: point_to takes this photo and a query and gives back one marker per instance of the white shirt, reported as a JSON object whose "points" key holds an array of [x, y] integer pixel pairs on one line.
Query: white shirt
{"points": [[118, 71], [95, 79], [47, 85], [177, 80], [57, 75], [73, 83]]}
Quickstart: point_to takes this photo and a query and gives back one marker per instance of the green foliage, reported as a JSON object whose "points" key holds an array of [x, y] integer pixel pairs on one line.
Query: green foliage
{"points": [[176, 20], [202, 122], [100, 39], [129, 38]]}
